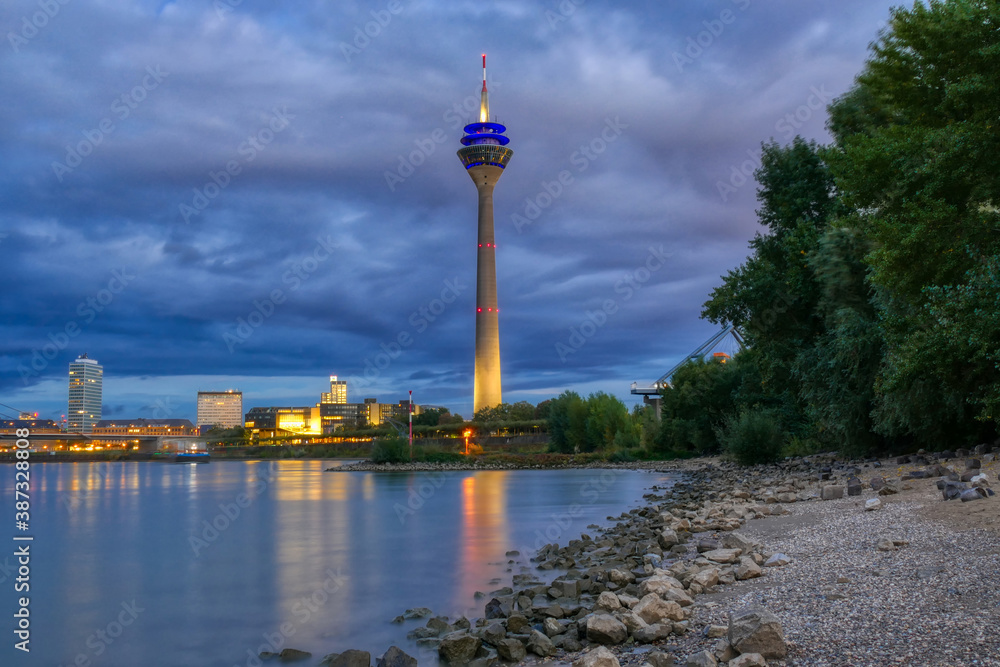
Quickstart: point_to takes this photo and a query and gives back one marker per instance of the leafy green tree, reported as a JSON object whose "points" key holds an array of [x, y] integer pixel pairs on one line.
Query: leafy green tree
{"points": [[431, 417], [700, 396], [773, 297], [607, 416], [567, 423], [522, 411], [494, 415], [916, 157]]}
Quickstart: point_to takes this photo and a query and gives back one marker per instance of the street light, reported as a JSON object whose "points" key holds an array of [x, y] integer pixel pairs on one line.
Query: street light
{"points": [[467, 434]]}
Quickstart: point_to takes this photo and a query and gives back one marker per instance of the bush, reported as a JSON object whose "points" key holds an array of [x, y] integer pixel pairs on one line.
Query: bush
{"points": [[390, 450], [752, 437], [621, 456]]}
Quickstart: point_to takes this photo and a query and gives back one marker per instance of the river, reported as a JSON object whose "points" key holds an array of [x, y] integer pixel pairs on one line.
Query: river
{"points": [[140, 563]]}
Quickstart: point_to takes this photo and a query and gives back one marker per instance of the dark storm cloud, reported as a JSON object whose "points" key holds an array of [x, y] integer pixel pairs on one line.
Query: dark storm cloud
{"points": [[172, 168]]}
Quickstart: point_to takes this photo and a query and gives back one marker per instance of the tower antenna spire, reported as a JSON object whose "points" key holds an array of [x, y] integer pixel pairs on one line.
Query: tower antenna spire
{"points": [[484, 106]]}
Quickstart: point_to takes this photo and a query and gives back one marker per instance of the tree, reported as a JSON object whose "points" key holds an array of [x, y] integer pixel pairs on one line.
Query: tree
{"points": [[522, 411], [700, 396], [773, 297], [432, 417], [493, 415], [567, 423], [916, 158], [837, 373], [606, 417]]}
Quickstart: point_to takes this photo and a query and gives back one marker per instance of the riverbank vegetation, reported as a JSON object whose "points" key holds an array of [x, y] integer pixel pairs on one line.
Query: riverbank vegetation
{"points": [[870, 303]]}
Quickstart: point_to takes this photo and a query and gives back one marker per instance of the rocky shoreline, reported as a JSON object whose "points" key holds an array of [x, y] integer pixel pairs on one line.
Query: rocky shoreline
{"points": [[813, 561]]}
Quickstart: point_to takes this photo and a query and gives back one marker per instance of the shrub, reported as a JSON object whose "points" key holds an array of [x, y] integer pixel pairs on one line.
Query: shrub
{"points": [[752, 437], [621, 456], [390, 450]]}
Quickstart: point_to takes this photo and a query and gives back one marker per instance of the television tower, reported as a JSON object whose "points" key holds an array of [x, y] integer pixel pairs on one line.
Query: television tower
{"points": [[485, 156]]}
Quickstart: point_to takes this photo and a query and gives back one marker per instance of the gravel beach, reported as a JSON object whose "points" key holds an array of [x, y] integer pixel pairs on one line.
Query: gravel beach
{"points": [[933, 601], [814, 561]]}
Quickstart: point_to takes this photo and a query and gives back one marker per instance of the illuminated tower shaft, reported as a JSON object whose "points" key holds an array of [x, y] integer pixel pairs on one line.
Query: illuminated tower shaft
{"points": [[485, 156]]}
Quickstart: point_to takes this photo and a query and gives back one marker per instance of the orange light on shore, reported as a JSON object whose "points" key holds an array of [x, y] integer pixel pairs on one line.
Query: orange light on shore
{"points": [[467, 433]]}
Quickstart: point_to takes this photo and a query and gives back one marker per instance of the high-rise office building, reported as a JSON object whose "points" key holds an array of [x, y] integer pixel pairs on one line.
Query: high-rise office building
{"points": [[485, 157], [86, 389], [338, 392], [220, 408]]}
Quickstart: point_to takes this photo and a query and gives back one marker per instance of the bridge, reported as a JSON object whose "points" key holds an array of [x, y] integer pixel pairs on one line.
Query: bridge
{"points": [[651, 394]]}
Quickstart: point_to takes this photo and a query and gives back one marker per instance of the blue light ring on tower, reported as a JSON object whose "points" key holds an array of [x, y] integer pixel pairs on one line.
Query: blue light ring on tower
{"points": [[484, 133], [495, 128], [480, 154], [485, 138]]}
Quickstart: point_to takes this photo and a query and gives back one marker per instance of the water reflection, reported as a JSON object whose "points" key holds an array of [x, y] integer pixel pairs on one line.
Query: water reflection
{"points": [[222, 557]]}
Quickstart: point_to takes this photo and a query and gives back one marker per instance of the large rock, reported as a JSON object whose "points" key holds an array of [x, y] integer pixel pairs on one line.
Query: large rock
{"points": [[294, 654], [621, 577], [890, 489], [605, 629], [832, 492], [872, 504], [747, 569], [540, 644], [706, 578], [493, 634], [680, 596], [497, 609], [701, 659], [553, 627], [395, 657], [724, 651], [667, 538], [756, 630], [653, 633], [654, 609], [737, 540], [972, 494], [599, 657], [660, 659], [459, 648], [632, 622], [517, 623], [707, 544], [608, 601], [854, 486], [722, 555], [748, 660], [659, 584], [512, 650], [777, 560]]}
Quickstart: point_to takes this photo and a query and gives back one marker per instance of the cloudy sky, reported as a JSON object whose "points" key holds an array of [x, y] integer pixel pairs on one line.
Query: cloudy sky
{"points": [[256, 195]]}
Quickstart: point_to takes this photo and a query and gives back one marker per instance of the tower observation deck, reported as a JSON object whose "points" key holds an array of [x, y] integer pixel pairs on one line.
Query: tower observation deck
{"points": [[485, 156]]}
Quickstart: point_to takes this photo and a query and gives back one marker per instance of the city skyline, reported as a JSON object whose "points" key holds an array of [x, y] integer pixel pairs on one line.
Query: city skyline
{"points": [[289, 207]]}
